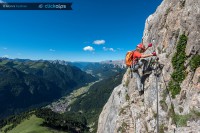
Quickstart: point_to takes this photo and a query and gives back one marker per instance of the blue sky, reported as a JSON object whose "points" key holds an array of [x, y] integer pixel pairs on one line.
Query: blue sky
{"points": [[95, 30]]}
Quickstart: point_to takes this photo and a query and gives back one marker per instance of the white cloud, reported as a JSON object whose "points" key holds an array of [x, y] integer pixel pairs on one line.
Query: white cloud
{"points": [[1, 1], [6, 56], [111, 49], [99, 42], [88, 48], [105, 49], [52, 50], [108, 49]]}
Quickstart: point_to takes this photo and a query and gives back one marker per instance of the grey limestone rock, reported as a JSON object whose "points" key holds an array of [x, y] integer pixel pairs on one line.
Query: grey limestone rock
{"points": [[128, 112]]}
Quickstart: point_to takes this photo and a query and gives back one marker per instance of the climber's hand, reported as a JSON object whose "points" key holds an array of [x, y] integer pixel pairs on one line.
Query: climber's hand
{"points": [[150, 45], [154, 54]]}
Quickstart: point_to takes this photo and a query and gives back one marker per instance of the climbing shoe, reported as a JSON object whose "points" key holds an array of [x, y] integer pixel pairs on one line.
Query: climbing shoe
{"points": [[147, 72], [158, 69], [161, 66], [141, 92]]}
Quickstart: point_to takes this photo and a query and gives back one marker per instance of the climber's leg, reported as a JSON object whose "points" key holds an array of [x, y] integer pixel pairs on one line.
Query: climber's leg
{"points": [[138, 80], [136, 66], [146, 66]]}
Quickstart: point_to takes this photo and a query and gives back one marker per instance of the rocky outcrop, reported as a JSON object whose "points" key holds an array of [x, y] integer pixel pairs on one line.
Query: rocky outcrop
{"points": [[128, 112]]}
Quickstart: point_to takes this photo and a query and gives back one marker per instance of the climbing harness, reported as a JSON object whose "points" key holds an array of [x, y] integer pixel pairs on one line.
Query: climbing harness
{"points": [[134, 67]]}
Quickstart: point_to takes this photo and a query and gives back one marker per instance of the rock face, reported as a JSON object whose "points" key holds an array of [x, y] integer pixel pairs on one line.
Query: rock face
{"points": [[128, 112]]}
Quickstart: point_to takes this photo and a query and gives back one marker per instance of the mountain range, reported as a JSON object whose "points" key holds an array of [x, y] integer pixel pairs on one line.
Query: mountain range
{"points": [[25, 84]]}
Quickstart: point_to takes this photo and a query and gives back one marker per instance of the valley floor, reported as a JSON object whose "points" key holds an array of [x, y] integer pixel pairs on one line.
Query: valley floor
{"points": [[31, 125]]}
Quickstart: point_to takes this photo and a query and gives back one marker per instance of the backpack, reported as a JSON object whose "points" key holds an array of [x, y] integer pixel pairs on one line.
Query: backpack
{"points": [[129, 58]]}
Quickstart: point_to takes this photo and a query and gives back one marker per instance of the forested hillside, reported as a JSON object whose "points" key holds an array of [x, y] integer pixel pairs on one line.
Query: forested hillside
{"points": [[26, 83]]}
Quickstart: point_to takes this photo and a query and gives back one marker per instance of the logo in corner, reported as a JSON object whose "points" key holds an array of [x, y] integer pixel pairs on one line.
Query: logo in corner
{"points": [[40, 6]]}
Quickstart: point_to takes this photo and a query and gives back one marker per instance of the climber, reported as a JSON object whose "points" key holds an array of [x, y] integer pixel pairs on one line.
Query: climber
{"points": [[138, 61]]}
